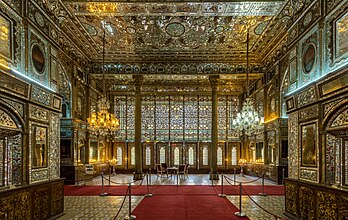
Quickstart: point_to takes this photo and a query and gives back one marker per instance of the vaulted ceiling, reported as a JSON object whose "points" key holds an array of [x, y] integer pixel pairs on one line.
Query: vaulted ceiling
{"points": [[166, 34]]}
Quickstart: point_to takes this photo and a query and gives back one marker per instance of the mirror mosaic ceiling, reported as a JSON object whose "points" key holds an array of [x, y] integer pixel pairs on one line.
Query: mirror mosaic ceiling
{"points": [[174, 32]]}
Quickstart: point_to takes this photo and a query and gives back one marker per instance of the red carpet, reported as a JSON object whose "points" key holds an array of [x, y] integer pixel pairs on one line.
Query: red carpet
{"points": [[170, 190], [182, 207]]}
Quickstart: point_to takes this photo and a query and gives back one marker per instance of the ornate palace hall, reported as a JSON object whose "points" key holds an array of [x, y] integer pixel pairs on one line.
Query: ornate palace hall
{"points": [[173, 109]]}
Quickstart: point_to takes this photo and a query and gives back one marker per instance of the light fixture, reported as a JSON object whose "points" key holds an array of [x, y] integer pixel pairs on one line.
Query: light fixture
{"points": [[248, 119], [103, 123]]}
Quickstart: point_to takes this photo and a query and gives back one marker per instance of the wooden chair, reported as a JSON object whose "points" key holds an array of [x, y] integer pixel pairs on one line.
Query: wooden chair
{"points": [[183, 170], [160, 170]]}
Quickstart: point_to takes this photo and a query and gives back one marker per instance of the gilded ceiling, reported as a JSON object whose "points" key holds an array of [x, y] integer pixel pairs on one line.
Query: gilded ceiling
{"points": [[197, 31], [201, 38]]}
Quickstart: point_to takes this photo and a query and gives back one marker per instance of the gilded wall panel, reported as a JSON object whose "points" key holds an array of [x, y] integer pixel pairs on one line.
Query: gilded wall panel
{"points": [[330, 159], [307, 203], [328, 107], [38, 113], [343, 207], [16, 106], [327, 206], [291, 198], [41, 202], [38, 58], [13, 86], [336, 32], [15, 4], [293, 146], [14, 35], [308, 61], [54, 149], [57, 198], [22, 209], [15, 142]]}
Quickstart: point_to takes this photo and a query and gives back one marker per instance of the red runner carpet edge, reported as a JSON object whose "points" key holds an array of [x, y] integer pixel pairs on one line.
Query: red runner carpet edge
{"points": [[185, 207], [71, 190]]}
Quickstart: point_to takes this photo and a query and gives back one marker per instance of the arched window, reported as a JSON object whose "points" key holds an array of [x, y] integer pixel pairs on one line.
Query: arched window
{"points": [[148, 156], [176, 156], [205, 156], [133, 156], [190, 156], [162, 155], [234, 156], [219, 156], [119, 155]]}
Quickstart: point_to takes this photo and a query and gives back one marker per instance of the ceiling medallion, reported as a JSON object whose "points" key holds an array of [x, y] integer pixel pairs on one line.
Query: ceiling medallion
{"points": [[175, 29]]}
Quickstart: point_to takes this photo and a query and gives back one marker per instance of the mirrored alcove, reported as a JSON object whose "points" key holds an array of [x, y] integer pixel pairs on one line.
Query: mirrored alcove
{"points": [[39, 151], [93, 151]]}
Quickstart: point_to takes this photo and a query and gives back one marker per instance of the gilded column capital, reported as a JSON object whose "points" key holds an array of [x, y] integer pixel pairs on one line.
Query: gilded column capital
{"points": [[138, 79], [214, 79]]}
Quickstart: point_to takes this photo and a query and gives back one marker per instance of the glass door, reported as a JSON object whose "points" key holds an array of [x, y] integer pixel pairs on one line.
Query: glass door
{"points": [[176, 154], [148, 155], [204, 155], [190, 158]]}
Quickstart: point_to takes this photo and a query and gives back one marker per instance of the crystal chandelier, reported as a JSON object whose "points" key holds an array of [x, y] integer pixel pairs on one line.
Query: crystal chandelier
{"points": [[103, 123], [248, 120]]}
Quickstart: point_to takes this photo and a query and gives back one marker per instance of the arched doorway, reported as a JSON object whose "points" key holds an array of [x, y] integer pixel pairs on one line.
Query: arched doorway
{"points": [[11, 138], [336, 141]]}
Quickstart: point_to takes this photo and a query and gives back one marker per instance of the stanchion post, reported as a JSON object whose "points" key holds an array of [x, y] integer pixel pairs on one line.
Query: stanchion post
{"points": [[234, 176], [212, 179], [147, 186], [77, 178], [150, 175], [109, 178], [240, 213], [263, 186], [222, 186], [103, 193], [283, 175], [130, 216]]}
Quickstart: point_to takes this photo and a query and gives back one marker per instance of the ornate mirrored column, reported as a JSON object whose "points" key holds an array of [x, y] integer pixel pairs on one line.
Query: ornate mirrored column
{"points": [[214, 126], [137, 126]]}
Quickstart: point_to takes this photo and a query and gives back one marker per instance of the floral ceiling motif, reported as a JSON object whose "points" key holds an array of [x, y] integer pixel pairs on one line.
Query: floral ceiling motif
{"points": [[176, 28]]}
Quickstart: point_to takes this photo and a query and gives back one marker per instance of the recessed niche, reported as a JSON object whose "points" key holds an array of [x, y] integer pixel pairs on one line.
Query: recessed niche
{"points": [[309, 58], [38, 58]]}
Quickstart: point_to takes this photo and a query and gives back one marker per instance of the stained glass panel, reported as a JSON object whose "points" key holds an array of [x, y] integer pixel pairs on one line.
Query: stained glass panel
{"points": [[219, 156], [119, 155], [148, 156], [234, 156], [190, 156], [205, 156], [176, 156], [133, 156], [162, 155]]}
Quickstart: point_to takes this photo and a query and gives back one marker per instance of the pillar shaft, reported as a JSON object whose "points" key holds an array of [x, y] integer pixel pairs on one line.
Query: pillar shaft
{"points": [[137, 126], [214, 126]]}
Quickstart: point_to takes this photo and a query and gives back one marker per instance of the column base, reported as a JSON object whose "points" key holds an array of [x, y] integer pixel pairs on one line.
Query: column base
{"points": [[138, 176], [214, 176]]}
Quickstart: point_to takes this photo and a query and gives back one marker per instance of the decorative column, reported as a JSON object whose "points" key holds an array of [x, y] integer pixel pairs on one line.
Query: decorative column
{"points": [[137, 126], [214, 127]]}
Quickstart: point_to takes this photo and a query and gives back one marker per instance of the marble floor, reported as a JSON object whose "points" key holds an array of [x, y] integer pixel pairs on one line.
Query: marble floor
{"points": [[97, 207]]}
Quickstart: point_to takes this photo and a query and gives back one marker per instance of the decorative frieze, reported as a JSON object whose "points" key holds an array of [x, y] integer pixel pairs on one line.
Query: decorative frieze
{"points": [[38, 113], [54, 150], [308, 175], [293, 146], [41, 96], [309, 113], [38, 175], [10, 84], [306, 97]]}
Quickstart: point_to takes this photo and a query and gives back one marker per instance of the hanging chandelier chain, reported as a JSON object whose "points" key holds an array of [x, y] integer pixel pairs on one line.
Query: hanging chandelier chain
{"points": [[248, 119], [103, 123]]}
